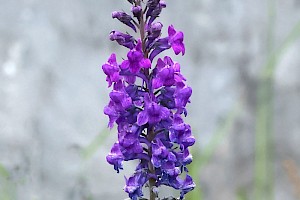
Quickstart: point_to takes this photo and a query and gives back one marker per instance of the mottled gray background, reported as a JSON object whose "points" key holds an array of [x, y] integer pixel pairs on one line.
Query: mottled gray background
{"points": [[52, 92]]}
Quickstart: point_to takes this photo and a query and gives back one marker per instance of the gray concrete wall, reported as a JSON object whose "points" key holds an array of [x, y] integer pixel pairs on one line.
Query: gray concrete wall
{"points": [[52, 92]]}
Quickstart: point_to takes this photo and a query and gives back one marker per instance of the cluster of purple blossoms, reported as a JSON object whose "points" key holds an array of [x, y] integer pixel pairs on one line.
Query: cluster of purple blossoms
{"points": [[148, 103]]}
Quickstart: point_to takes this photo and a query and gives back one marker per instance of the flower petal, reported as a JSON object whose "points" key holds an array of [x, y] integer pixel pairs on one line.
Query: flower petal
{"points": [[142, 118]]}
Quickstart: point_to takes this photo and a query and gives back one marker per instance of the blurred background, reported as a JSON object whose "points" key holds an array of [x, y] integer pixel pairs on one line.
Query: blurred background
{"points": [[242, 60]]}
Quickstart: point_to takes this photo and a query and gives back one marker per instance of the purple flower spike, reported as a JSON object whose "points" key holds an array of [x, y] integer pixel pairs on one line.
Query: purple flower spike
{"points": [[176, 40], [124, 18], [148, 104]]}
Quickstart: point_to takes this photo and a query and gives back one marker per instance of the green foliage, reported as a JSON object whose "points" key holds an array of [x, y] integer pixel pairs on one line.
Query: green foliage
{"points": [[201, 158], [263, 187], [241, 194], [7, 187]]}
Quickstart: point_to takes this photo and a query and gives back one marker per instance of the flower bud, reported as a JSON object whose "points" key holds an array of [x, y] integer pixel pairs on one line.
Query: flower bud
{"points": [[124, 18], [155, 9], [137, 11], [155, 30], [122, 39], [152, 3]]}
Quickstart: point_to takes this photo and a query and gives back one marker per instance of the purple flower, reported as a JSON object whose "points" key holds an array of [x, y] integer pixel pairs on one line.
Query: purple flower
{"points": [[111, 112], [168, 73], [159, 46], [166, 97], [134, 185], [111, 69], [176, 40], [153, 113], [115, 157], [122, 39], [129, 116], [182, 97], [119, 103], [181, 133], [172, 181], [159, 153], [136, 60], [164, 158], [130, 145], [120, 99], [187, 186], [183, 158], [135, 93], [165, 75]]}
